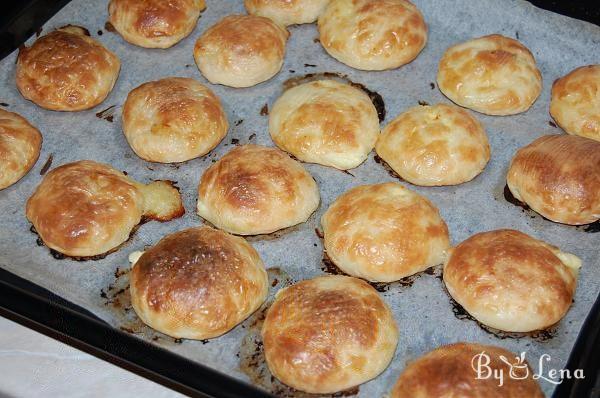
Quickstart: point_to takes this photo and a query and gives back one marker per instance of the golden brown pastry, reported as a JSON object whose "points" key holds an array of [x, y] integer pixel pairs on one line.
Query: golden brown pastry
{"points": [[451, 371], [66, 70], [384, 232], [154, 23], [435, 145], [256, 190], [20, 145], [241, 50], [558, 176], [287, 12], [328, 334], [325, 122], [198, 283], [173, 120], [510, 281], [372, 34], [575, 104], [85, 209], [495, 75]]}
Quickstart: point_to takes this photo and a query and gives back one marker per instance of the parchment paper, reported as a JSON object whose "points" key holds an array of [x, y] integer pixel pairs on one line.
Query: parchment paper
{"points": [[423, 311]]}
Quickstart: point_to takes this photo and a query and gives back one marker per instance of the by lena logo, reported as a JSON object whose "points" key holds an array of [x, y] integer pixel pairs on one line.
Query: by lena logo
{"points": [[518, 369]]}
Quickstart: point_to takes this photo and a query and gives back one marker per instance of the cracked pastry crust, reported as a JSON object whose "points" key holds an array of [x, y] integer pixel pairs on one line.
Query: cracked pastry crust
{"points": [[557, 176], [325, 122], [66, 70], [256, 190], [448, 371], [384, 232], [85, 208], [287, 12], [510, 281], [20, 145], [198, 283], [493, 74], [435, 145], [241, 50], [328, 334], [575, 104], [372, 34], [154, 23], [173, 120]]}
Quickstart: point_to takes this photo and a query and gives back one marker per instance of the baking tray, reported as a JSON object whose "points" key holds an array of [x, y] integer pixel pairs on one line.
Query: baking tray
{"points": [[44, 311]]}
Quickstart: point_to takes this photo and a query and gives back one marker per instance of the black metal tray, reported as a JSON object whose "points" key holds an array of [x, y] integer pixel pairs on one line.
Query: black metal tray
{"points": [[47, 313]]}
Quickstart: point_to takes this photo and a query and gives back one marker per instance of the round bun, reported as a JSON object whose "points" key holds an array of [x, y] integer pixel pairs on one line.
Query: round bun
{"points": [[384, 232], [86, 209], [173, 120], [448, 372], [372, 34], [325, 122], [198, 283], [557, 176], [510, 281], [241, 50], [575, 104], [495, 75], [256, 190], [328, 334], [20, 145], [66, 70], [287, 12], [154, 23], [435, 145]]}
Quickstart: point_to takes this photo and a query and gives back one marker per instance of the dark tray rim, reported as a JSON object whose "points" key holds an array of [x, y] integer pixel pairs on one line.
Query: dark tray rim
{"points": [[41, 310]]}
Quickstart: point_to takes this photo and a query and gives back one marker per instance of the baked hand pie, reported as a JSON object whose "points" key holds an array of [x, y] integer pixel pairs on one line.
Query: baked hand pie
{"points": [[451, 371], [325, 122], [372, 34], [510, 281], [256, 190], [328, 334], [384, 232], [435, 145], [20, 145], [154, 23], [198, 283], [495, 75], [66, 70], [173, 120], [287, 12], [575, 104], [241, 50], [558, 176], [85, 209]]}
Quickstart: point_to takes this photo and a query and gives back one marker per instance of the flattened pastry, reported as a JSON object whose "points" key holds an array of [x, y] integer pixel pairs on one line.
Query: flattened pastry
{"points": [[384, 232], [66, 70], [448, 372], [495, 75], [198, 283], [328, 334], [575, 104], [558, 176], [287, 12], [372, 34], [325, 122], [20, 145], [85, 209], [241, 50], [154, 23], [256, 190], [173, 120], [435, 145], [510, 281]]}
